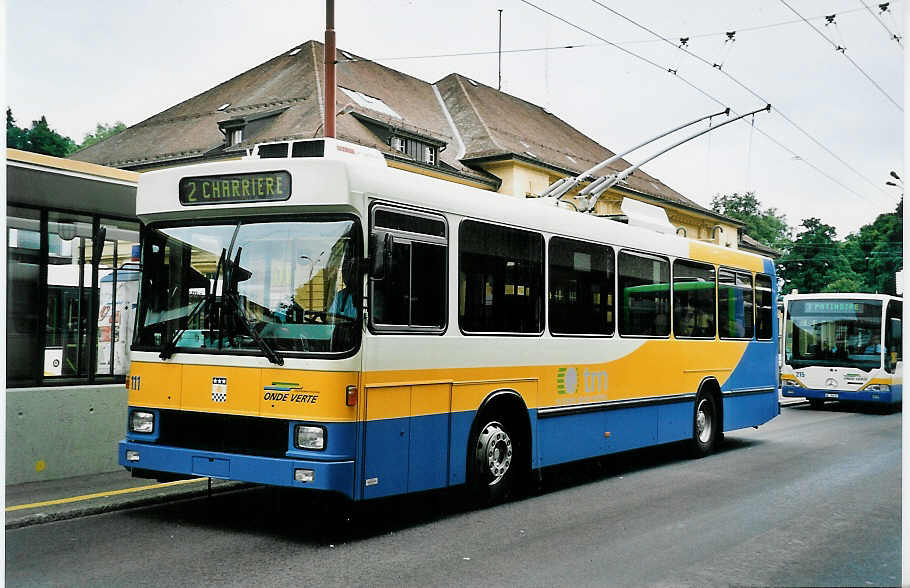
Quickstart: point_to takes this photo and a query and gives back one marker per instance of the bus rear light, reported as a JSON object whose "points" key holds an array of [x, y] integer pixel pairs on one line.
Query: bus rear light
{"points": [[350, 396]]}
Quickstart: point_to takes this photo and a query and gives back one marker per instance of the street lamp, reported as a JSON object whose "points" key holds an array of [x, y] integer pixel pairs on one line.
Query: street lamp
{"points": [[894, 175]]}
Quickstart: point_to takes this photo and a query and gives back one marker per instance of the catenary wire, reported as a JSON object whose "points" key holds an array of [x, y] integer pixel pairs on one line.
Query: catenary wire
{"points": [[744, 87], [844, 53], [894, 36], [766, 135]]}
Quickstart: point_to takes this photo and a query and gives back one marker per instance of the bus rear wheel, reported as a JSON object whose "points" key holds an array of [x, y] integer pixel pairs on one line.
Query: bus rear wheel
{"points": [[705, 425], [493, 466]]}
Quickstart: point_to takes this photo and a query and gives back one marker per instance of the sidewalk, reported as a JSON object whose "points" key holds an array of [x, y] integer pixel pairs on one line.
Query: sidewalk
{"points": [[33, 503]]}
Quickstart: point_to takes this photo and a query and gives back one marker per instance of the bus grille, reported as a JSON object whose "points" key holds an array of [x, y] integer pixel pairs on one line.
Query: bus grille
{"points": [[224, 433]]}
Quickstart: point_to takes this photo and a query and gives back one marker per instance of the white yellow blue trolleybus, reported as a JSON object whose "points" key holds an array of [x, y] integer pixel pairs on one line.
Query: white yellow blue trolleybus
{"points": [[328, 322], [844, 347]]}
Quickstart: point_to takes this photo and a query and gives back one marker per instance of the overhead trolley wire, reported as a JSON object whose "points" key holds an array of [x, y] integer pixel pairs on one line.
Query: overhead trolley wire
{"points": [[838, 48], [682, 47], [893, 36], [704, 93]]}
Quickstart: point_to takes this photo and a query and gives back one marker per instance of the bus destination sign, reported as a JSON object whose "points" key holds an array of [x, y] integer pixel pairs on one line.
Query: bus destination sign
{"points": [[253, 187], [834, 307]]}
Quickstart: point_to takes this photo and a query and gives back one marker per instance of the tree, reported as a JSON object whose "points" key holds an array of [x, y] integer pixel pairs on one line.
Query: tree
{"points": [[102, 132], [40, 138], [875, 251], [765, 226], [816, 262]]}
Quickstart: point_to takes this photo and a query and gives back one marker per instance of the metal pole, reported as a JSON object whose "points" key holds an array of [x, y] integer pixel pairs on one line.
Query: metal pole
{"points": [[329, 60], [499, 86]]}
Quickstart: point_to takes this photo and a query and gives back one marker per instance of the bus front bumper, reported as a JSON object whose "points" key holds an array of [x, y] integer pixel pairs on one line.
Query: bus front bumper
{"points": [[875, 396], [332, 476]]}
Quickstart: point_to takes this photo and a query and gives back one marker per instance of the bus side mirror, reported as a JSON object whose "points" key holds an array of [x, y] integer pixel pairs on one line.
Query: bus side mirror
{"points": [[98, 245], [380, 254]]}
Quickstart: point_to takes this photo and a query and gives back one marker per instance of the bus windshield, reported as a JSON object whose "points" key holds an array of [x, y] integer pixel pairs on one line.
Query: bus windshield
{"points": [[257, 285], [834, 333]]}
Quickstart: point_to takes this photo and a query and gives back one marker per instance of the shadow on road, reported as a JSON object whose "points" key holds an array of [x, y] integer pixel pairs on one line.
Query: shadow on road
{"points": [[854, 407], [325, 520]]}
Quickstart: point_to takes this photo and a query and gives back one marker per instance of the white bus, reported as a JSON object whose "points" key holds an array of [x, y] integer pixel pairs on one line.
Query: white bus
{"points": [[328, 322], [843, 347]]}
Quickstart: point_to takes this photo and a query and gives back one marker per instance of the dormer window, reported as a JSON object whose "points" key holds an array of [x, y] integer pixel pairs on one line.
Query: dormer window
{"points": [[235, 136], [422, 152]]}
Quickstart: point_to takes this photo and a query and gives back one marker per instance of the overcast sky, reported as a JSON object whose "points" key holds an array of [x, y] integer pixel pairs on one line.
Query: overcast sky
{"points": [[80, 63]]}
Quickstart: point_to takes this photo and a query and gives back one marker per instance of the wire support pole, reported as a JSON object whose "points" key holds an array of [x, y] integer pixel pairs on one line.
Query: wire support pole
{"points": [[844, 53], [499, 85]]}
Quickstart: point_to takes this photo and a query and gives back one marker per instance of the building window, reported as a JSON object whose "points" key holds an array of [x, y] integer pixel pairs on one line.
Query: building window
{"points": [[68, 318], [423, 152]]}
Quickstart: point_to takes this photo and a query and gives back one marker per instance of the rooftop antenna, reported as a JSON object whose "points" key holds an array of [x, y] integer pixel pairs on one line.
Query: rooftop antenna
{"points": [[561, 187], [499, 86], [593, 191]]}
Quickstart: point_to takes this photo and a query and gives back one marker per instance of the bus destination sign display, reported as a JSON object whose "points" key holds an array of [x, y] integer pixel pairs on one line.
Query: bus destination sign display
{"points": [[225, 189], [834, 307]]}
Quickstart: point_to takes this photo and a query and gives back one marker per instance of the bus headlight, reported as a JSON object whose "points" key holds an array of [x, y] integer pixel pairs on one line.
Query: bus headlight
{"points": [[309, 437], [142, 421], [879, 388], [788, 382]]}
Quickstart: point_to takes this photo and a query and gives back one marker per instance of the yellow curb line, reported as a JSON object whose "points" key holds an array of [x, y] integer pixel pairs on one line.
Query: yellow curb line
{"points": [[103, 494]]}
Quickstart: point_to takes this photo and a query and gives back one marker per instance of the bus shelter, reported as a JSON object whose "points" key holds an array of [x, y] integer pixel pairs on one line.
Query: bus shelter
{"points": [[71, 283]]}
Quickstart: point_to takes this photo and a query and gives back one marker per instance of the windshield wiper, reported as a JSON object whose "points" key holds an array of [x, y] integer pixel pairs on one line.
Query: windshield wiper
{"points": [[232, 295]]}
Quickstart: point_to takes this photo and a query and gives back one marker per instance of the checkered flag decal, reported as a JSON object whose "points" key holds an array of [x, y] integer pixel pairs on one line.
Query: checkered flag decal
{"points": [[219, 389]]}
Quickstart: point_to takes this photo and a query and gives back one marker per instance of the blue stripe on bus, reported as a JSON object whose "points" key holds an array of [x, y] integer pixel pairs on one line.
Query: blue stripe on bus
{"points": [[335, 475]]}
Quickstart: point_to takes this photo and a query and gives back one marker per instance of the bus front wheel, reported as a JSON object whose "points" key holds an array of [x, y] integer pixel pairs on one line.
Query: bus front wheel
{"points": [[493, 462], [705, 425], [816, 403]]}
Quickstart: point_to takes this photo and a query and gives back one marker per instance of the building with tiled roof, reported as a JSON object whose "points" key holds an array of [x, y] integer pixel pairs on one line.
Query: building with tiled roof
{"points": [[456, 129]]}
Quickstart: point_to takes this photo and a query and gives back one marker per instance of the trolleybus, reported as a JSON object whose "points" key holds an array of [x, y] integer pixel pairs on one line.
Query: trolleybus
{"points": [[843, 347], [328, 322]]}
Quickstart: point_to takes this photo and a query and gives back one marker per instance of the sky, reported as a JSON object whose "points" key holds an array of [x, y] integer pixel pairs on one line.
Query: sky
{"points": [[824, 151]]}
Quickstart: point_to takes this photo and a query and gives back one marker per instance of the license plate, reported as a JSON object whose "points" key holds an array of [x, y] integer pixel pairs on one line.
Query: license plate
{"points": [[831, 395]]}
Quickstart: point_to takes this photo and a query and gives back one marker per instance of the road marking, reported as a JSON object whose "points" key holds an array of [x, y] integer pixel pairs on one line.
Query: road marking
{"points": [[103, 494]]}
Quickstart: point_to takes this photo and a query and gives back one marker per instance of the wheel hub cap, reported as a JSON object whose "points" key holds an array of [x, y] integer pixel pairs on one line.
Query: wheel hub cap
{"points": [[494, 452]]}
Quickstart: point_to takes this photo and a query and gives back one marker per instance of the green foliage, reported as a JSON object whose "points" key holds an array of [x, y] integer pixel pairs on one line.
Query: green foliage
{"points": [[766, 226], [875, 251], [40, 138], [102, 132]]}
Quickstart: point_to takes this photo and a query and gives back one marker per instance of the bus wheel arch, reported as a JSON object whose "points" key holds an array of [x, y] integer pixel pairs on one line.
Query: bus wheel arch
{"points": [[707, 418], [499, 447]]}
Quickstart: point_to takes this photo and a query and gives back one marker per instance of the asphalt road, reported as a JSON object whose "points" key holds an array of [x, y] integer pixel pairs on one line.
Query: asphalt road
{"points": [[812, 498]]}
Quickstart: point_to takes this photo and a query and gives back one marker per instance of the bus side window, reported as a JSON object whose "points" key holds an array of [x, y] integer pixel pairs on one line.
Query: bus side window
{"points": [[580, 291], [764, 307], [501, 282], [644, 287], [693, 299], [893, 335], [735, 305], [412, 295]]}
